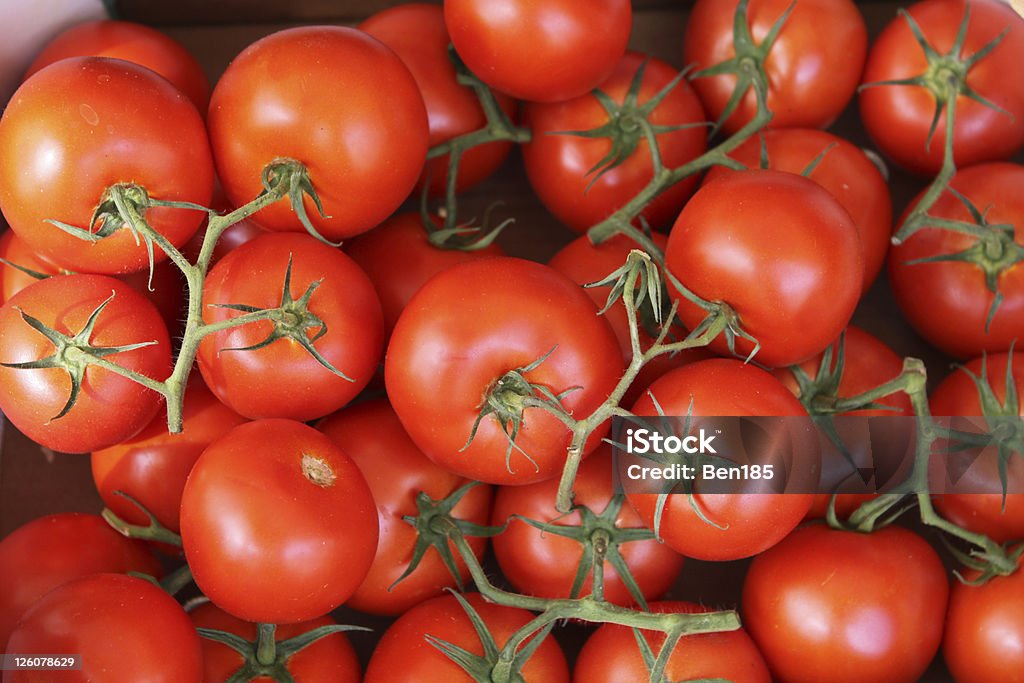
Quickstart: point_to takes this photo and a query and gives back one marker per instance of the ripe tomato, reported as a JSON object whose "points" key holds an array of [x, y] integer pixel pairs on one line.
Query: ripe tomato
{"points": [[844, 170], [544, 564], [109, 408], [559, 167], [542, 51], [898, 117], [135, 43], [152, 466], [50, 551], [331, 659], [277, 523], [612, 654], [417, 34], [404, 653], [748, 523], [948, 302], [87, 123], [399, 259], [509, 314], [984, 639], [813, 68], [786, 258], [365, 432], [283, 379], [126, 630], [361, 131], [982, 512], [846, 606]]}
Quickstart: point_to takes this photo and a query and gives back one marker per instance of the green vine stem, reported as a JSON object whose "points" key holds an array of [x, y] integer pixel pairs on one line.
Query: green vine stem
{"points": [[153, 531]]}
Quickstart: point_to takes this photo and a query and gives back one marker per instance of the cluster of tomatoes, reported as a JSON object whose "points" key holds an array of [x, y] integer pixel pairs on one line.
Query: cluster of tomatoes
{"points": [[298, 427]]}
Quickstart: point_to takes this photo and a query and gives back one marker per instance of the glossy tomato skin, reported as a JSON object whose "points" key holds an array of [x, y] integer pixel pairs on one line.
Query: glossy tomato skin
{"points": [[845, 606], [898, 117], [612, 655], [153, 465], [984, 513], [558, 166], [813, 68], [753, 521], [49, 551], [844, 170], [125, 628], [109, 408], [302, 530], [136, 43], [458, 351], [362, 132], [399, 259], [396, 472], [952, 315], [331, 659], [786, 258], [283, 379], [403, 653], [68, 129], [540, 50], [984, 638], [417, 34], [544, 564]]}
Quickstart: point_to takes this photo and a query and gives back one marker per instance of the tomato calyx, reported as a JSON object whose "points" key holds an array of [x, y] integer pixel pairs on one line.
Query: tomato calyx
{"points": [[434, 524], [76, 352], [463, 237], [284, 176], [601, 538], [292, 320], [988, 565], [507, 399], [266, 656]]}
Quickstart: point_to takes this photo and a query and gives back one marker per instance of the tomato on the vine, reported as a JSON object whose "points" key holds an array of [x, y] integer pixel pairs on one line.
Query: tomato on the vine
{"points": [[847, 606], [352, 114], [540, 50], [397, 472], [568, 172], [813, 68], [277, 523], [786, 258]]}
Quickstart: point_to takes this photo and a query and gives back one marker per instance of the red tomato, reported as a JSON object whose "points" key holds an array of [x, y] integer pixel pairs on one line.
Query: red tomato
{"points": [[331, 659], [87, 123], [399, 259], [813, 68], [544, 564], [233, 237], [984, 639], [291, 539], [786, 258], [584, 263], [135, 43], [109, 408], [361, 131], [540, 50], [50, 551], [844, 170], [126, 630], [976, 511], [283, 379], [898, 117], [612, 655], [559, 166], [460, 352], [751, 522], [846, 606], [365, 432], [152, 466], [417, 34], [404, 654], [948, 302]]}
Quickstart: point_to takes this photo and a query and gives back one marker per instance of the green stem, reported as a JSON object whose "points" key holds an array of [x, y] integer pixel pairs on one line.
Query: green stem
{"points": [[266, 644]]}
